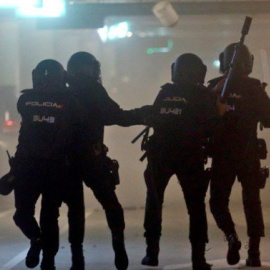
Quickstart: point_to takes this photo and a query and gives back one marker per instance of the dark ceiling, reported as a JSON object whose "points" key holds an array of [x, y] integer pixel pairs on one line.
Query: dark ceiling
{"points": [[92, 15], [85, 14]]}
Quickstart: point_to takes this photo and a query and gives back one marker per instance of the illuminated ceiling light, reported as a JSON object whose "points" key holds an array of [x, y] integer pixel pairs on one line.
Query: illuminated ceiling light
{"points": [[166, 14], [9, 3], [216, 63], [114, 32], [122, 30], [102, 32], [129, 34], [41, 8]]}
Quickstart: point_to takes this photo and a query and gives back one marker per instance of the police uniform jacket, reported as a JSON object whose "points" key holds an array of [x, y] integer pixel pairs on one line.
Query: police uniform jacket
{"points": [[48, 125], [184, 111], [248, 104], [101, 110]]}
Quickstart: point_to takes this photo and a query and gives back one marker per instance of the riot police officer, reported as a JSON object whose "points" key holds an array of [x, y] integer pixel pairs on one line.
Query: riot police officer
{"points": [[49, 120], [235, 152], [84, 77], [183, 109]]}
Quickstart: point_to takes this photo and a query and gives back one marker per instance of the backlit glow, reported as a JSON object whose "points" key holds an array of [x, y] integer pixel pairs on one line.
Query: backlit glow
{"points": [[41, 8], [216, 63], [9, 3], [9, 123], [113, 32]]}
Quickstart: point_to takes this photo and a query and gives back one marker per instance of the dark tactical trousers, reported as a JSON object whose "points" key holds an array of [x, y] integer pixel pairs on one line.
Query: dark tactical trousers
{"points": [[224, 173], [194, 183], [35, 178], [74, 199], [98, 178]]}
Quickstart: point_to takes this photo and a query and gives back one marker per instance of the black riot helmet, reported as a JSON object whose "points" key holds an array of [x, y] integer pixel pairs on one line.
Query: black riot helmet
{"points": [[84, 63], [188, 67], [244, 61], [49, 73]]}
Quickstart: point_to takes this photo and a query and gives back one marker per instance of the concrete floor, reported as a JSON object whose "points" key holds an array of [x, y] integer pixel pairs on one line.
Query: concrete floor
{"points": [[175, 247]]}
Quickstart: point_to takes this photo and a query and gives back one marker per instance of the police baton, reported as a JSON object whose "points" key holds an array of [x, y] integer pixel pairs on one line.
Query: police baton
{"points": [[244, 32], [140, 134]]}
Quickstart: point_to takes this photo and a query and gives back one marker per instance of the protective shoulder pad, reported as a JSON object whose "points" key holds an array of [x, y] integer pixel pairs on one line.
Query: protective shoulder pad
{"points": [[26, 91], [167, 86], [256, 82]]}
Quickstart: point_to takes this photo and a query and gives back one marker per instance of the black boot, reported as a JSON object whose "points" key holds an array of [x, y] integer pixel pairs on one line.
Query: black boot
{"points": [[152, 251], [47, 262], [32, 257], [234, 245], [253, 259], [198, 257], [77, 257], [121, 258]]}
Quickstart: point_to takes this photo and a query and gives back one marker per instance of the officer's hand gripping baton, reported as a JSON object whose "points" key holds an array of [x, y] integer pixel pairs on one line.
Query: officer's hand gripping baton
{"points": [[237, 47]]}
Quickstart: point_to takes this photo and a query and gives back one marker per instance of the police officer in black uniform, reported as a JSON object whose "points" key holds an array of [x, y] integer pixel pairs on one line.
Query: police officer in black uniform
{"points": [[235, 152], [84, 78], [46, 137], [183, 109]]}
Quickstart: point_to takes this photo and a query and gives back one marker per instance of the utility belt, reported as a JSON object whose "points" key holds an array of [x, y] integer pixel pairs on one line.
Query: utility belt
{"points": [[262, 154], [111, 165], [263, 175], [207, 148], [96, 153]]}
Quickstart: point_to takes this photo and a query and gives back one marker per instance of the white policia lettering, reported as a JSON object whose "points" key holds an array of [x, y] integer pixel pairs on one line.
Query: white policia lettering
{"points": [[181, 99], [175, 111], [43, 104], [230, 108], [42, 118], [236, 96]]}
